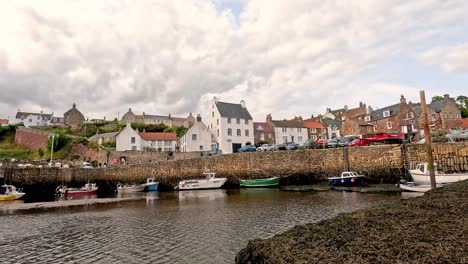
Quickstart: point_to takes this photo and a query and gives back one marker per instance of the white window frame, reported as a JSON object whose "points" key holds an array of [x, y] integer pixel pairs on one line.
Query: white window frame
{"points": [[389, 125], [386, 113], [367, 118]]}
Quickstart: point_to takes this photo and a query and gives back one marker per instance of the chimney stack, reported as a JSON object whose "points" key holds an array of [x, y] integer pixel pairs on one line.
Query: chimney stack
{"points": [[242, 103], [198, 118], [268, 118], [446, 97], [369, 110], [402, 100]]}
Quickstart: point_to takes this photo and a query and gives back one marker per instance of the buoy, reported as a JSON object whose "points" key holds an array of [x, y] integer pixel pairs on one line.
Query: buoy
{"points": [[352, 180]]}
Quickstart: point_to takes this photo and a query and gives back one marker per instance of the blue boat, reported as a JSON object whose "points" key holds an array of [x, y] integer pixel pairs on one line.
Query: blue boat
{"points": [[151, 185], [347, 178]]}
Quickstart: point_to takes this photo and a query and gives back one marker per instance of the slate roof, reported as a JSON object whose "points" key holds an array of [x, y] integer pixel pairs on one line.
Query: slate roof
{"points": [[332, 122], [288, 123], [378, 113], [437, 106], [104, 135], [157, 117], [26, 114], [266, 127], [233, 110], [155, 136]]}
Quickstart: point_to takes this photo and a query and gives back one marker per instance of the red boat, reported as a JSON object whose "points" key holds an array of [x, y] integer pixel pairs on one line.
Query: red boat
{"points": [[87, 189]]}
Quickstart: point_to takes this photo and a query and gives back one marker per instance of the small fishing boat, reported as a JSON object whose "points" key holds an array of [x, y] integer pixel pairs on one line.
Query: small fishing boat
{"points": [[151, 185], [414, 187], [123, 188], [87, 189], [210, 182], [420, 175], [267, 182], [347, 178], [10, 193]]}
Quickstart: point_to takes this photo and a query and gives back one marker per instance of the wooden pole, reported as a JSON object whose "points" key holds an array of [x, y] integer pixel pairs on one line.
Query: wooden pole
{"points": [[427, 136]]}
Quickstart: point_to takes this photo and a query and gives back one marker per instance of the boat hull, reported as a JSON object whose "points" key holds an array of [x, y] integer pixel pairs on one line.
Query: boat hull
{"points": [[130, 189], [9, 197], [150, 187], [440, 178], [269, 182], [418, 188], [71, 193], [347, 181], [201, 184]]}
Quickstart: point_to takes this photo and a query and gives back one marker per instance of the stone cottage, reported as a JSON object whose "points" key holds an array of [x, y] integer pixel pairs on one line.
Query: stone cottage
{"points": [[73, 117]]}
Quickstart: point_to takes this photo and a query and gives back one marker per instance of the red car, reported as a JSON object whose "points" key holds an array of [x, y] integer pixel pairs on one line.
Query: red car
{"points": [[360, 142]]}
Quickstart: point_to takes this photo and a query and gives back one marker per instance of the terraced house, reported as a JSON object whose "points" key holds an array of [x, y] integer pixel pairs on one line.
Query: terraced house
{"points": [[158, 119], [231, 125], [29, 119], [287, 131]]}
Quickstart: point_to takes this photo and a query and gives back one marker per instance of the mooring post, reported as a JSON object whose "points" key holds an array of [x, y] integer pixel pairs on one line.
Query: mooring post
{"points": [[427, 136]]}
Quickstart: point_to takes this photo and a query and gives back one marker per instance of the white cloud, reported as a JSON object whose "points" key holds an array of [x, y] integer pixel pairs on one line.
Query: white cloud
{"points": [[173, 56], [451, 59]]}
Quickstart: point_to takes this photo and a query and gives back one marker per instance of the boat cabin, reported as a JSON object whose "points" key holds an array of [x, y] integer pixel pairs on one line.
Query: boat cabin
{"points": [[349, 174], [210, 175], [151, 180], [7, 189]]}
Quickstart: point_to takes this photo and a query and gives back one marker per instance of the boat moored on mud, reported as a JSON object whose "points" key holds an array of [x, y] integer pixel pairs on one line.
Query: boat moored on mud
{"points": [[267, 182], [87, 189], [347, 178], [10, 193], [420, 175]]}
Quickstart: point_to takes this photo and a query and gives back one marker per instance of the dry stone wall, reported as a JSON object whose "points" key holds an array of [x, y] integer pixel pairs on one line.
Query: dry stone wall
{"points": [[384, 163]]}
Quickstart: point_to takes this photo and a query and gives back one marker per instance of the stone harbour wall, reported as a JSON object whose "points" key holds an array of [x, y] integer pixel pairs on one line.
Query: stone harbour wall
{"points": [[382, 163]]}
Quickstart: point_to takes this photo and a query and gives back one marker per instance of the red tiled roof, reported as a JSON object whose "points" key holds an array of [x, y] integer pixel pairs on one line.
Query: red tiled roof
{"points": [[464, 123], [266, 127], [312, 124], [154, 136], [3, 121]]}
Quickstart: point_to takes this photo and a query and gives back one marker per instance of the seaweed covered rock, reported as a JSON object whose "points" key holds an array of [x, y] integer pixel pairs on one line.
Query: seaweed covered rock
{"points": [[429, 229]]}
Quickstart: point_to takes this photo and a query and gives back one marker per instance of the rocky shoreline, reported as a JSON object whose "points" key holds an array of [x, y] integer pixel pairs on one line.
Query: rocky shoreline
{"points": [[429, 229]]}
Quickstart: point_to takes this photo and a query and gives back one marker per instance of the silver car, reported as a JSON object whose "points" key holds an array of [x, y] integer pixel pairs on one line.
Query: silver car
{"points": [[266, 147]]}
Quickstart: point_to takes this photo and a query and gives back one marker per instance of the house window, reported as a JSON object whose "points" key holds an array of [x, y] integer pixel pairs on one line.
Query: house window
{"points": [[246, 132], [30, 120], [285, 139], [299, 130], [389, 125], [217, 122], [212, 114], [238, 132], [284, 129], [457, 116], [433, 117], [446, 116], [291, 129], [313, 130], [134, 148], [229, 132], [201, 148], [299, 139], [246, 121], [217, 132], [262, 136], [386, 113], [367, 118], [451, 115], [313, 137], [229, 120], [238, 121], [194, 137], [132, 140]]}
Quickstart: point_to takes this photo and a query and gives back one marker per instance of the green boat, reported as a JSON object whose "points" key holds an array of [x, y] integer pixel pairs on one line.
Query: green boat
{"points": [[268, 182]]}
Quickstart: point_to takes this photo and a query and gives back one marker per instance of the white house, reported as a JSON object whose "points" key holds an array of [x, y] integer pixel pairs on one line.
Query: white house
{"points": [[33, 119], [231, 125], [197, 138], [287, 131], [129, 139]]}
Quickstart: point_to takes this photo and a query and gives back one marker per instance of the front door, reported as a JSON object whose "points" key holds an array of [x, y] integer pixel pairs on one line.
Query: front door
{"points": [[236, 147]]}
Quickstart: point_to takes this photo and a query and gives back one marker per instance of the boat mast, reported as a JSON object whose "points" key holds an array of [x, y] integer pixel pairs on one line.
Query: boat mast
{"points": [[427, 136]]}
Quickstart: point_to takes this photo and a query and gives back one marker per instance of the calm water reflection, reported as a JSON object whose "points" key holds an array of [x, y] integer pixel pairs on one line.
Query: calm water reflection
{"points": [[176, 227]]}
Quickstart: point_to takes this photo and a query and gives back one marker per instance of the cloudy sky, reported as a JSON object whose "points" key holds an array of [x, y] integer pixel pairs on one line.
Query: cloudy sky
{"points": [[287, 58]]}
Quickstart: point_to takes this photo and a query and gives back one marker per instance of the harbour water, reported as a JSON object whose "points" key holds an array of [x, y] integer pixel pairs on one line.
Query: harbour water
{"points": [[208, 226]]}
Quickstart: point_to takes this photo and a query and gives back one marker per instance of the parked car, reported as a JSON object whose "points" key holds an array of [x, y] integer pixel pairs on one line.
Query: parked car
{"points": [[360, 142], [345, 140], [309, 144], [321, 143], [280, 147], [247, 148], [332, 143], [292, 146], [87, 165], [266, 147]]}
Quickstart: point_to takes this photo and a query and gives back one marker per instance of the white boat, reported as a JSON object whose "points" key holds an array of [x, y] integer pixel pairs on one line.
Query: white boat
{"points": [[123, 188], [414, 187], [10, 193], [210, 182], [420, 175]]}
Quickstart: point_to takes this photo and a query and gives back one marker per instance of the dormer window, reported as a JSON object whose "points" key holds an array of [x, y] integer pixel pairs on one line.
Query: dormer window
{"points": [[386, 113], [367, 118]]}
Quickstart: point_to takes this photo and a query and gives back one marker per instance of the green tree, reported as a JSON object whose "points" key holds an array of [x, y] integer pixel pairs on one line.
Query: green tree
{"points": [[462, 102], [437, 98], [60, 141]]}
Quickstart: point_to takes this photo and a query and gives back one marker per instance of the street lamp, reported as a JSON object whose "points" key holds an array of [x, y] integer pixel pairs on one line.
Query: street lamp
{"points": [[52, 148]]}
